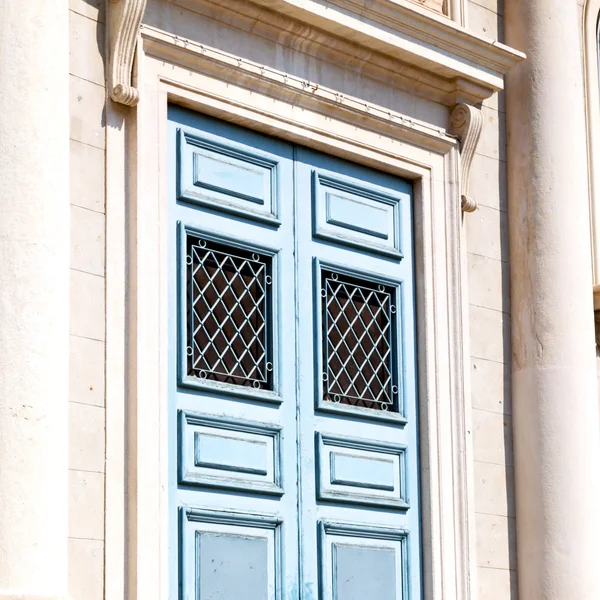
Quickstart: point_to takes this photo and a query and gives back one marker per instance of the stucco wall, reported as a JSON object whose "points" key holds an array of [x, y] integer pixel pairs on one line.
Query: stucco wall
{"points": [[86, 406], [488, 280]]}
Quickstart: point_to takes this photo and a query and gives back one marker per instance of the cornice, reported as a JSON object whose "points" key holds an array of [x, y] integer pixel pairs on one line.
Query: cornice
{"points": [[300, 92], [416, 36], [468, 68], [466, 122], [125, 18]]}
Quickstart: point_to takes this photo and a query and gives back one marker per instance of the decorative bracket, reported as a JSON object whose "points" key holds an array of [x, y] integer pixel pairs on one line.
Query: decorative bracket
{"points": [[466, 123], [125, 18]]}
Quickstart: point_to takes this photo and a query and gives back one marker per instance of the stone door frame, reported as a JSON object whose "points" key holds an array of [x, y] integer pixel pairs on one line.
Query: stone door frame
{"points": [[216, 83]]}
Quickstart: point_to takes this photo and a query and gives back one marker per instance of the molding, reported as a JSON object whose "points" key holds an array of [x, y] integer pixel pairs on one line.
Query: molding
{"points": [[466, 123], [125, 18], [192, 514], [437, 6], [414, 35], [301, 92], [364, 531], [436, 57]]}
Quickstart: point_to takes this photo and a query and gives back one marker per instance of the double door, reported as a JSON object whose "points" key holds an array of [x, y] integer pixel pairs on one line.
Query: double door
{"points": [[293, 411]]}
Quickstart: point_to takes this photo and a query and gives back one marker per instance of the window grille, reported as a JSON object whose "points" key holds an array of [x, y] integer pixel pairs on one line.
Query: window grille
{"points": [[358, 342], [229, 336]]}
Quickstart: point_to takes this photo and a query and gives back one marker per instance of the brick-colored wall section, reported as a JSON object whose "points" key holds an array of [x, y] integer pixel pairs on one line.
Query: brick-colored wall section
{"points": [[489, 322], [86, 406]]}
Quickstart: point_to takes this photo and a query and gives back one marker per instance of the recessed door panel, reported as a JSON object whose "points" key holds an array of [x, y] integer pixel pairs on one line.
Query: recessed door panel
{"points": [[357, 213], [362, 561], [221, 176], [359, 471], [230, 556], [230, 453]]}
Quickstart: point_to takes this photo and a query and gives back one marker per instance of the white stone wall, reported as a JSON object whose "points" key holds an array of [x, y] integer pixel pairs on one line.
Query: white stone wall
{"points": [[489, 322], [86, 406], [488, 279]]}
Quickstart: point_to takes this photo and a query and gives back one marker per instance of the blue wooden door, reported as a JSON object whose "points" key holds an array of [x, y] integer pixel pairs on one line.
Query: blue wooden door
{"points": [[293, 419]]}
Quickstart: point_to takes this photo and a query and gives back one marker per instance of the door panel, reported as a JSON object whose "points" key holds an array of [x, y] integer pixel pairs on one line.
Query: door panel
{"points": [[233, 409], [230, 555], [293, 417], [358, 421], [230, 454]]}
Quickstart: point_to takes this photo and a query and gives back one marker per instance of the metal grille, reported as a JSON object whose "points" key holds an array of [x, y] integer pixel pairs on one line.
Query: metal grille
{"points": [[358, 342], [228, 323]]}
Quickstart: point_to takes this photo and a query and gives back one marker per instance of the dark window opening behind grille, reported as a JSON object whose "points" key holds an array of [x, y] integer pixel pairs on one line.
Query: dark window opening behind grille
{"points": [[229, 303], [358, 342]]}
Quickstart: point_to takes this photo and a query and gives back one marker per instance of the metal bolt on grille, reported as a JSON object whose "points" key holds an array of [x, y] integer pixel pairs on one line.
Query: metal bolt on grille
{"points": [[228, 323], [358, 342]]}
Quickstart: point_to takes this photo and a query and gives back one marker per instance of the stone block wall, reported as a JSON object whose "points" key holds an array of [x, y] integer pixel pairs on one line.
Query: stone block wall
{"points": [[87, 328], [489, 323], [489, 319]]}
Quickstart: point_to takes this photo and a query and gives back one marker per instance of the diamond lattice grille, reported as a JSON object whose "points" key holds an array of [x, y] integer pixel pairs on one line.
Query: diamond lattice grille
{"points": [[358, 323], [228, 325]]}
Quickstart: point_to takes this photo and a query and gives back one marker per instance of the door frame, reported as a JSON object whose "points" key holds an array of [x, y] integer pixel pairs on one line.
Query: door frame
{"points": [[210, 81]]}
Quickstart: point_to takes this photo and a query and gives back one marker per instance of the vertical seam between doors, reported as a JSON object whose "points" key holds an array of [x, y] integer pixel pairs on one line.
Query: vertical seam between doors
{"points": [[297, 376]]}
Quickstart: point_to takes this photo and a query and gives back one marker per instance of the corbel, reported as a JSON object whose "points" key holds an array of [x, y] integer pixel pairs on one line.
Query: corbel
{"points": [[466, 123], [125, 18]]}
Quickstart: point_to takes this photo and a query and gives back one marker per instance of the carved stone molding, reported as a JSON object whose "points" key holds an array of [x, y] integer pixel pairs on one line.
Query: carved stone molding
{"points": [[466, 123], [455, 64], [437, 5], [125, 18]]}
